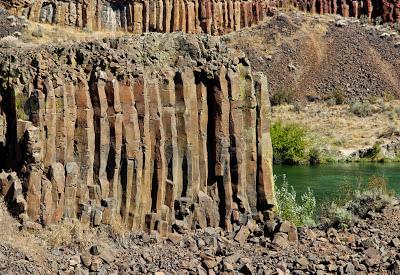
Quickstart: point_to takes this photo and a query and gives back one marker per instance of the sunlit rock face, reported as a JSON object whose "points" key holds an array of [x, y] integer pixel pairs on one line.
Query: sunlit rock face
{"points": [[191, 16], [143, 130]]}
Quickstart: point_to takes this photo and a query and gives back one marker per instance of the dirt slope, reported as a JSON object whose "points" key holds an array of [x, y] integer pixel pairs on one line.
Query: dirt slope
{"points": [[314, 55]]}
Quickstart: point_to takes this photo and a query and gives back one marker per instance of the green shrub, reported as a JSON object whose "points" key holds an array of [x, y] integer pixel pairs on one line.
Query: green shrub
{"points": [[288, 143], [282, 96], [319, 155], [371, 200], [376, 151], [361, 109], [340, 216], [300, 213]]}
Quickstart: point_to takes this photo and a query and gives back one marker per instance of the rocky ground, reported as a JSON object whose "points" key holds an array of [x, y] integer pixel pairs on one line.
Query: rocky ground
{"points": [[312, 56], [256, 247]]}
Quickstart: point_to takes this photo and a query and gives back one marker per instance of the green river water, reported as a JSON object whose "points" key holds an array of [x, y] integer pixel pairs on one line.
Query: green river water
{"points": [[325, 180]]}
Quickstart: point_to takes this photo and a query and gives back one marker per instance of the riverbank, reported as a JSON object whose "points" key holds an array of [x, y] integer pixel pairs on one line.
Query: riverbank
{"points": [[256, 246], [340, 133]]}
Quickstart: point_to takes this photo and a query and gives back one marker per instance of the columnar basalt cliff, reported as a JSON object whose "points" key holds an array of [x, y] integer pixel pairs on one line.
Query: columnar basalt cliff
{"points": [[191, 16], [149, 130], [387, 10]]}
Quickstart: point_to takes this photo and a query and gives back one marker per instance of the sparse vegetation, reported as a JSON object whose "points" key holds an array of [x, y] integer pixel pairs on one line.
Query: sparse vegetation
{"points": [[364, 19], [356, 203], [376, 153], [337, 97], [20, 100], [282, 96], [378, 20], [302, 212], [38, 33], [361, 109]]}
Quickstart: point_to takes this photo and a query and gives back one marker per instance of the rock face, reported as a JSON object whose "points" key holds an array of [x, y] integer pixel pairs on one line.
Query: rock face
{"points": [[191, 16], [387, 10], [150, 131]]}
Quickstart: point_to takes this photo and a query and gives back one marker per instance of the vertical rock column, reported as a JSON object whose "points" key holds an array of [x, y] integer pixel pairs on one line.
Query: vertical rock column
{"points": [[250, 138], [265, 181], [167, 92], [222, 146], [191, 127], [85, 140], [142, 106], [202, 109], [159, 168], [102, 136], [132, 155], [238, 154]]}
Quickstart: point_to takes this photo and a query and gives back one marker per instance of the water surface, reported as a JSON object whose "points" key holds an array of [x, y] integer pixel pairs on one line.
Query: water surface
{"points": [[326, 181]]}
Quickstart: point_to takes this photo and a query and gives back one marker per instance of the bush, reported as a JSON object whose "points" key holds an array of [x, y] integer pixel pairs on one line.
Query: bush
{"points": [[288, 143], [376, 153], [282, 96], [297, 107], [364, 19], [38, 32], [358, 202], [301, 213], [378, 20], [314, 156], [331, 102], [340, 216], [361, 109], [338, 96], [371, 200]]}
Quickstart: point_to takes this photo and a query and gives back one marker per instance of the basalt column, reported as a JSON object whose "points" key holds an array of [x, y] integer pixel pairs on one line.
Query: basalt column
{"points": [[191, 16], [146, 147]]}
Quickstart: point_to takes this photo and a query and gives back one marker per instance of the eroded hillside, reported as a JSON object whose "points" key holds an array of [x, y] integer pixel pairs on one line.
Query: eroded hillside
{"points": [[313, 56]]}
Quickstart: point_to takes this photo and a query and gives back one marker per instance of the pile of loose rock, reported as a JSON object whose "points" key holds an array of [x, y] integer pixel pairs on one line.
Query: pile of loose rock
{"points": [[258, 244]]}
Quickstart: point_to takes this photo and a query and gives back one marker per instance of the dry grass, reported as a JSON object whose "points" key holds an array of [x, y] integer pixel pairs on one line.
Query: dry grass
{"points": [[341, 130], [22, 241], [61, 34]]}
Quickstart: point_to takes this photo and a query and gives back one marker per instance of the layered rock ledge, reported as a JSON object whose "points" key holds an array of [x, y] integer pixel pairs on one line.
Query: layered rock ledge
{"points": [[149, 131], [387, 10], [191, 16]]}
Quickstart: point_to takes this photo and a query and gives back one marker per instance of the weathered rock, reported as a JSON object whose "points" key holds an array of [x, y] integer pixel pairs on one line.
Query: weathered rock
{"points": [[387, 10], [150, 146], [242, 234], [143, 16], [281, 240]]}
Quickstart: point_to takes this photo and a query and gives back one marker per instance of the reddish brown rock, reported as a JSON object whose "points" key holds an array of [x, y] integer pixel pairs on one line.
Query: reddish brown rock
{"points": [[191, 16], [175, 143]]}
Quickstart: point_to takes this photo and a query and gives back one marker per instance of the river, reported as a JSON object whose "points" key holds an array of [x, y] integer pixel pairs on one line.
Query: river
{"points": [[326, 180]]}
